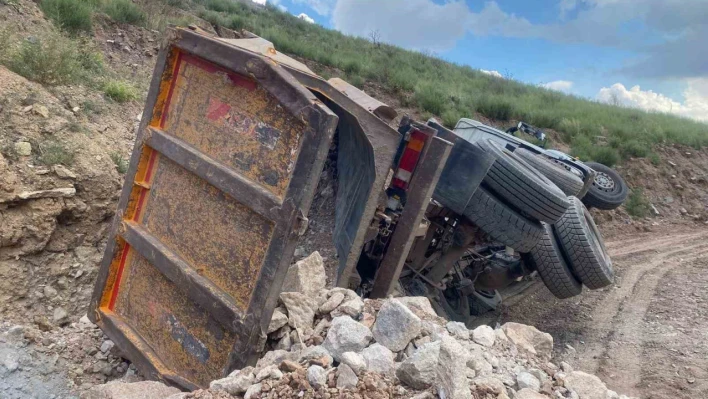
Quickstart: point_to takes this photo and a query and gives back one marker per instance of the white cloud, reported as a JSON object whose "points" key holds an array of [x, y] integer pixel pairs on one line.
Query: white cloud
{"points": [[416, 24], [306, 18], [492, 73], [261, 2], [559, 85], [321, 7], [694, 105]]}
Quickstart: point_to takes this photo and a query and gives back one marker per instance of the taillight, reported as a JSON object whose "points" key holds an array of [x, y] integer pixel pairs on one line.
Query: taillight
{"points": [[409, 159]]}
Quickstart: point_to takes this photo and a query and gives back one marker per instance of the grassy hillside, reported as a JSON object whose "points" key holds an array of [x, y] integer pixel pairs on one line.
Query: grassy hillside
{"points": [[594, 131]]}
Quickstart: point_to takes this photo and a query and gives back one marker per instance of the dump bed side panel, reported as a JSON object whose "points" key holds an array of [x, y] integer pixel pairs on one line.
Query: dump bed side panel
{"points": [[222, 175]]}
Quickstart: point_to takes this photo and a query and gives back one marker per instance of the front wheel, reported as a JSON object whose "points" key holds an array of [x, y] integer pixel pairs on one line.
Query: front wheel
{"points": [[608, 190]]}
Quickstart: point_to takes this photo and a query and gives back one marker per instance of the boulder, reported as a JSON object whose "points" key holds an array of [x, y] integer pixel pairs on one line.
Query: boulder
{"points": [[351, 307], [484, 335], [395, 325], [346, 335], [587, 386], [346, 378], [316, 376], [457, 329], [419, 370], [527, 393], [23, 148], [332, 303], [307, 276], [379, 359], [278, 320], [316, 355], [488, 385], [235, 384], [451, 377], [301, 309], [271, 372], [122, 390], [252, 391], [419, 305], [276, 357], [529, 339], [527, 380], [355, 361]]}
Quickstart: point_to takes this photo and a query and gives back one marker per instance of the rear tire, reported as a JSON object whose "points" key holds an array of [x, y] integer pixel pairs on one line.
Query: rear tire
{"points": [[583, 247], [548, 260], [517, 183], [482, 302], [502, 223], [569, 183], [608, 191], [455, 305]]}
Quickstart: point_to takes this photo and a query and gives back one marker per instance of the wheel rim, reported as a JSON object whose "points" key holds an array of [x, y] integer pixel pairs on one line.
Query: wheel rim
{"points": [[604, 182]]}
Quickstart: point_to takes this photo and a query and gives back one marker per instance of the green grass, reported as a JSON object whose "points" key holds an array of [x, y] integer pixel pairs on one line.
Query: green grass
{"points": [[594, 130], [53, 153], [120, 162], [51, 58], [124, 12], [74, 16], [637, 205], [120, 91]]}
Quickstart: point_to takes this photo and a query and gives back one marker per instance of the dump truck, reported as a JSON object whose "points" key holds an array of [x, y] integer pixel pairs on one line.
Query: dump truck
{"points": [[227, 159]]}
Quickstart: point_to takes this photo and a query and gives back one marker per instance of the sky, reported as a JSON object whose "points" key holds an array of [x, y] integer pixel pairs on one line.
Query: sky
{"points": [[648, 54]]}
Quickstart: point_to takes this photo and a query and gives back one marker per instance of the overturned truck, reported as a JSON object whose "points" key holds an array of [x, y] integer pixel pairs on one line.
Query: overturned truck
{"points": [[227, 159]]}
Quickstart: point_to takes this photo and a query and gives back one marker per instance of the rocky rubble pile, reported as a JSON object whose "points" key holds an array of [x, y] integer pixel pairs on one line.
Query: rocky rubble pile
{"points": [[54, 362], [331, 343]]}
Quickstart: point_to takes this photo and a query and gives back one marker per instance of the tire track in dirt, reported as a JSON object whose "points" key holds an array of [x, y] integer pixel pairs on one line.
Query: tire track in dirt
{"points": [[615, 353]]}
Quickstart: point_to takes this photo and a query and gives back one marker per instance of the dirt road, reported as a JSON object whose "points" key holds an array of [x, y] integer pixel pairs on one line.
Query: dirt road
{"points": [[648, 335]]}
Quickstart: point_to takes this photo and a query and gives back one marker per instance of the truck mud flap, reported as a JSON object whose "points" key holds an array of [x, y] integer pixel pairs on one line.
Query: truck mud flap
{"points": [[224, 169]]}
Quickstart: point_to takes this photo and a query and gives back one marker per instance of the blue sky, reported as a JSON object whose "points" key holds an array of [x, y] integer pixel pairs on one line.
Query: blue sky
{"points": [[648, 54]]}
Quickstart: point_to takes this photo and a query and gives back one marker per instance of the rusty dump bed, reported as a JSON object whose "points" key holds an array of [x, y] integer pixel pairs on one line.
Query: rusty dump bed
{"points": [[222, 175], [223, 172]]}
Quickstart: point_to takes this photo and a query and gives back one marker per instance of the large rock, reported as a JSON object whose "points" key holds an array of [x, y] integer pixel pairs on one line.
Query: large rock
{"points": [[332, 303], [527, 380], [278, 320], [451, 377], [395, 325], [419, 305], [527, 393], [587, 386], [346, 378], [306, 276], [379, 359], [355, 361], [316, 355], [122, 390], [457, 329], [529, 339], [316, 376], [236, 383], [484, 335], [351, 307], [419, 370], [301, 309], [276, 357], [346, 335]]}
